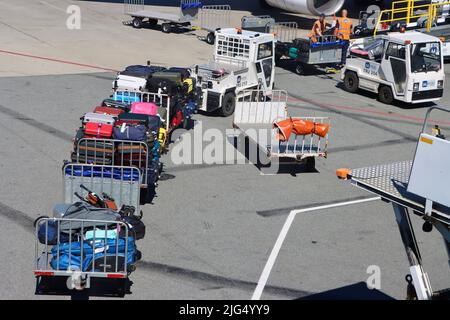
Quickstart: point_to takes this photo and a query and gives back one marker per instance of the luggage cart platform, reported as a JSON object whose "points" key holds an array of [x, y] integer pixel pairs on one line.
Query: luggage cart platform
{"points": [[390, 181]]}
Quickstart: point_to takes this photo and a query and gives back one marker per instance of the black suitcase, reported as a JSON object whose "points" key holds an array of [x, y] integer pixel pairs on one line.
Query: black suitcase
{"points": [[141, 71], [97, 148], [90, 159], [116, 104], [132, 118], [167, 86]]}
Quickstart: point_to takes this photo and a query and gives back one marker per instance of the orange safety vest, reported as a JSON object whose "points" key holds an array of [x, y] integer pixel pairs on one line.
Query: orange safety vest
{"points": [[316, 26], [344, 28]]}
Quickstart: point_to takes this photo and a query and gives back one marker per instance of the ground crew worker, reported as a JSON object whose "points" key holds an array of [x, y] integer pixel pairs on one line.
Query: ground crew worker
{"points": [[343, 32], [319, 27]]}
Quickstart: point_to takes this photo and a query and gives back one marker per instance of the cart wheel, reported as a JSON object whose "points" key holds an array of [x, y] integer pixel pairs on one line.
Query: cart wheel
{"points": [[228, 104], [351, 82], [300, 69], [310, 163], [166, 27], [137, 23], [210, 38], [385, 95], [152, 22]]}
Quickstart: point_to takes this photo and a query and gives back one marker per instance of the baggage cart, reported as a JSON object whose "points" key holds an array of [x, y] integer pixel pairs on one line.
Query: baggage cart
{"points": [[255, 115], [420, 187], [71, 263], [213, 17], [138, 156], [261, 23], [325, 53], [188, 12], [122, 183], [162, 100]]}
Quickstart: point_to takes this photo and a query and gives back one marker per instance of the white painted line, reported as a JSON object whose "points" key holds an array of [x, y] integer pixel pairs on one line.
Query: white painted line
{"points": [[284, 231]]}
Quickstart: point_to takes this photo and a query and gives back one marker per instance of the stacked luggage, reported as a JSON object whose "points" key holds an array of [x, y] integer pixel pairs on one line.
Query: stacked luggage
{"points": [[122, 135], [90, 236], [176, 87]]}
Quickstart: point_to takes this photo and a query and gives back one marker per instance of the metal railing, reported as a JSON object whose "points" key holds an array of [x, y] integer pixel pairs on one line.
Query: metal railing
{"points": [[160, 99], [122, 183], [285, 31], [124, 153], [131, 6], [89, 247], [213, 17], [412, 12]]}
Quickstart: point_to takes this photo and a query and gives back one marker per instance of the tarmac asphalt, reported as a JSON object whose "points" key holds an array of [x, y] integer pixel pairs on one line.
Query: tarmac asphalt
{"points": [[211, 228]]}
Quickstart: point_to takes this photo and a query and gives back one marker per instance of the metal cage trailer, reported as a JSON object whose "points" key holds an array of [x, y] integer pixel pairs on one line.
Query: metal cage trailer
{"points": [[188, 12], [420, 187], [122, 183], [79, 252], [121, 153], [255, 116], [213, 17]]}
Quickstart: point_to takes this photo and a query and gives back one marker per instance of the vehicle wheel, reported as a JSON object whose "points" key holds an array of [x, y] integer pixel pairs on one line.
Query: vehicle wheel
{"points": [[228, 104], [351, 82], [300, 68], [137, 23], [166, 27], [310, 163], [152, 22], [385, 95], [210, 38]]}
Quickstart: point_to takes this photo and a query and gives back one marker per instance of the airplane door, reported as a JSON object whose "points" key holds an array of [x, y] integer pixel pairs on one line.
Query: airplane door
{"points": [[393, 66]]}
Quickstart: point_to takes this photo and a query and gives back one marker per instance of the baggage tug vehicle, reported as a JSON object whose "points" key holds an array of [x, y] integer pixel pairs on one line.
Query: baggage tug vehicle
{"points": [[243, 60], [405, 66]]}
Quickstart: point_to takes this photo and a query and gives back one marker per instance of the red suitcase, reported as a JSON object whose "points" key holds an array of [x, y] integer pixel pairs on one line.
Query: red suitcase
{"points": [[108, 110], [99, 130]]}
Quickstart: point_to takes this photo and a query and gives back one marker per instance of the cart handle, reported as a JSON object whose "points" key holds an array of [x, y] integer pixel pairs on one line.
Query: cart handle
{"points": [[427, 116]]}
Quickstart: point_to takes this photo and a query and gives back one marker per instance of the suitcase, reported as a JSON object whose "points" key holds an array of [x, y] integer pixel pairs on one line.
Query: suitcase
{"points": [[108, 111], [167, 86], [130, 132], [141, 71], [126, 97], [132, 118], [116, 104], [100, 130], [98, 118], [131, 160], [148, 108], [176, 76], [96, 148], [90, 159], [135, 149], [154, 124]]}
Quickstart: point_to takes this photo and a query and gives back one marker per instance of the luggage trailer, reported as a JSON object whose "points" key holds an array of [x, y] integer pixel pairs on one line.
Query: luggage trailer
{"points": [[255, 115], [208, 17], [188, 12], [243, 60], [422, 187], [121, 183], [325, 53], [138, 155]]}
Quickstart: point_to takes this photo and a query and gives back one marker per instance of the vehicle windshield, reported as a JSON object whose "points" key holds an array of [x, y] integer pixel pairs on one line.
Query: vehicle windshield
{"points": [[425, 57]]}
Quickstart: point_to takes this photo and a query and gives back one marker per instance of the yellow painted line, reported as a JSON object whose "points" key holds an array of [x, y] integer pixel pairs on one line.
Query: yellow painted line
{"points": [[426, 140]]}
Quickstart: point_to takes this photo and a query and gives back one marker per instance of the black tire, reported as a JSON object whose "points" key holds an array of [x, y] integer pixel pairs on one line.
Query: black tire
{"points": [[152, 22], [137, 23], [211, 38], [300, 68], [166, 27], [228, 104], [310, 163], [385, 95], [351, 82]]}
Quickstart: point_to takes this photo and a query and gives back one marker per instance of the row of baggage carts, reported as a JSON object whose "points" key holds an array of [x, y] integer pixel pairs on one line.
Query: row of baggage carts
{"points": [[89, 244]]}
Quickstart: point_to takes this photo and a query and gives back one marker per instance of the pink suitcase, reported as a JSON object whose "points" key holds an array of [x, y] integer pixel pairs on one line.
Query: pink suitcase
{"points": [[147, 108]]}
